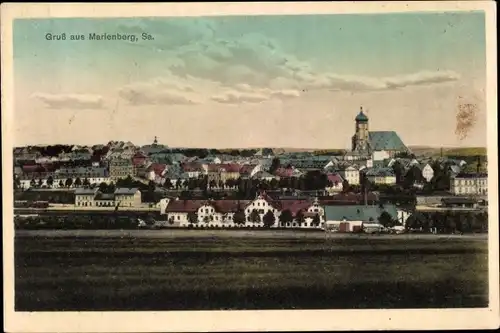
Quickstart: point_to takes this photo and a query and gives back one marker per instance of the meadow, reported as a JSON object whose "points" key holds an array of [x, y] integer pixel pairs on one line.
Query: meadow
{"points": [[202, 270]]}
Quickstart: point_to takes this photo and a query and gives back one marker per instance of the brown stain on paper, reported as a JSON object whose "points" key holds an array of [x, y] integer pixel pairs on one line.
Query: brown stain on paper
{"points": [[466, 118]]}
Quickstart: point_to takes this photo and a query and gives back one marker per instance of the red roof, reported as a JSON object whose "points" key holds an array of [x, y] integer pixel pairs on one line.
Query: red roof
{"points": [[295, 206], [334, 178], [221, 206], [284, 172], [31, 168], [184, 206], [227, 167], [247, 169], [229, 206], [139, 155], [157, 168], [191, 167]]}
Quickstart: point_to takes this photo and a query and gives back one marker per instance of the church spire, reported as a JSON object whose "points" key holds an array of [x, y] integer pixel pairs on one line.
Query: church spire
{"points": [[361, 117], [155, 142]]}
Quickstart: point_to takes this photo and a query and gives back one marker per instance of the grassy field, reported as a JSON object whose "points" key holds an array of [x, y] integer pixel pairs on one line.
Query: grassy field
{"points": [[203, 270]]}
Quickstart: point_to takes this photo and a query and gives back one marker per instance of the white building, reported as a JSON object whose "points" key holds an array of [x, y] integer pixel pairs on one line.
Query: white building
{"points": [[427, 172], [351, 174], [469, 184], [128, 197]]}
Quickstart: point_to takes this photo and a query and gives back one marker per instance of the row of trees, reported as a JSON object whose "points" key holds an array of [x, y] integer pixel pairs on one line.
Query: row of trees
{"points": [[449, 222], [313, 180], [81, 221]]}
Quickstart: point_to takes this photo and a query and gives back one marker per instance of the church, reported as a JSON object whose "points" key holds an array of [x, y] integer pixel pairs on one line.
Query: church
{"points": [[377, 145]]}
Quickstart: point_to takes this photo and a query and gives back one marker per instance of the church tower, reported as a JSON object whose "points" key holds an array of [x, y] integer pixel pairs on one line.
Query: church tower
{"points": [[360, 138]]}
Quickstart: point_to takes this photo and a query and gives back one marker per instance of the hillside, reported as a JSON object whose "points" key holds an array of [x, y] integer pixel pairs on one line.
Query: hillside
{"points": [[436, 151]]}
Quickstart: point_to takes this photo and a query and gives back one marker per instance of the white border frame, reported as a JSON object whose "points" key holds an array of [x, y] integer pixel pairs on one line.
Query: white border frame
{"points": [[289, 320]]}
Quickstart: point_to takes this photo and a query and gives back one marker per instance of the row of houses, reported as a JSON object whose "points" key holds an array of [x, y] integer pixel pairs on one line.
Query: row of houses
{"points": [[266, 211], [122, 197]]}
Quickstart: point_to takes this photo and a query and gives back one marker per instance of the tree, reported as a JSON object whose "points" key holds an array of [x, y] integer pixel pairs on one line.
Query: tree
{"points": [[316, 220], [103, 187], [399, 171], [151, 186], [299, 217], [86, 182], [40, 182], [286, 216], [254, 216], [385, 219], [275, 164], [17, 183], [268, 219], [61, 183], [50, 181], [345, 186], [192, 217], [111, 187], [167, 184], [78, 182], [239, 217], [212, 183], [69, 182]]}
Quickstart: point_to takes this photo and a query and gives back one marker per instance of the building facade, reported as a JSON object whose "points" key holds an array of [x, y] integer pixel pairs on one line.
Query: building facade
{"points": [[120, 168], [469, 184]]}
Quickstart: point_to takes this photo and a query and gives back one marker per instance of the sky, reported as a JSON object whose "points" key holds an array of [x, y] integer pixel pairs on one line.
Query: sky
{"points": [[293, 81]]}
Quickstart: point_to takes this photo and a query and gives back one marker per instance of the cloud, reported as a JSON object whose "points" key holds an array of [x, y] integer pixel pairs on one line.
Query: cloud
{"points": [[194, 53], [244, 93], [159, 91], [425, 77], [259, 61], [174, 90], [70, 101], [235, 97]]}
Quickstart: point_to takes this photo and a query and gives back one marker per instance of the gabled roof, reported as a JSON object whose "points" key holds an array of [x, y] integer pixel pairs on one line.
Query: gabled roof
{"points": [[85, 191], [471, 175], [380, 172], [386, 140], [262, 174], [157, 168], [129, 191], [104, 196], [358, 212], [295, 206], [192, 167], [335, 178], [247, 169], [227, 167]]}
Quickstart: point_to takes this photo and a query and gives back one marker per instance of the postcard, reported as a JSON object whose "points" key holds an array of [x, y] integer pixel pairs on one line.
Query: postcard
{"points": [[212, 167]]}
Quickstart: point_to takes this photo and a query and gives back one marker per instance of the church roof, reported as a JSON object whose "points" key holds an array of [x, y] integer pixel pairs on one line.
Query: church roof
{"points": [[386, 140]]}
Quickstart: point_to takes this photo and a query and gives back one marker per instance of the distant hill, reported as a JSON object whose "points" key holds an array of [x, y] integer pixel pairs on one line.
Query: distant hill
{"points": [[454, 151]]}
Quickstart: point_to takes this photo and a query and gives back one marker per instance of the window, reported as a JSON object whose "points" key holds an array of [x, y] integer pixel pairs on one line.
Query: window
{"points": [[178, 217]]}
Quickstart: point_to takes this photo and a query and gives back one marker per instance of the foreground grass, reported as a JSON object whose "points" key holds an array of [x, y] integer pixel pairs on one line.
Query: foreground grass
{"points": [[98, 273]]}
